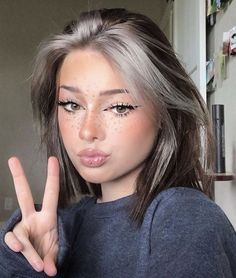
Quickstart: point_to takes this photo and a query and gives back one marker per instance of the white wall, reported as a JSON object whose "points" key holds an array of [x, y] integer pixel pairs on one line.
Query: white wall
{"points": [[225, 192], [190, 39], [23, 24]]}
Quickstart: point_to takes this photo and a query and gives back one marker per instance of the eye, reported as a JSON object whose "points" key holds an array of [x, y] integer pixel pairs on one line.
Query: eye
{"points": [[121, 109], [70, 106]]}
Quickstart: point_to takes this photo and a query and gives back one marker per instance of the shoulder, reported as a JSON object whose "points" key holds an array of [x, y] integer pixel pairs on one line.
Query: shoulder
{"points": [[188, 206], [189, 211], [187, 224]]}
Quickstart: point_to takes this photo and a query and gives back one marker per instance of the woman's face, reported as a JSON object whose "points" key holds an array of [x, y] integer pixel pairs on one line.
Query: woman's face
{"points": [[107, 134]]}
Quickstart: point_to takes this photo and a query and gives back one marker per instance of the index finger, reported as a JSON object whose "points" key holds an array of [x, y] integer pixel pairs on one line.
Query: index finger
{"points": [[51, 193], [22, 188]]}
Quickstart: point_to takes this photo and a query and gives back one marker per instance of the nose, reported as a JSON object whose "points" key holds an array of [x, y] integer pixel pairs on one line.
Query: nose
{"points": [[91, 128]]}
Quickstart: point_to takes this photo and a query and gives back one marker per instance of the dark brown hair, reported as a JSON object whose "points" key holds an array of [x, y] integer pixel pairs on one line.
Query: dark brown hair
{"points": [[182, 154]]}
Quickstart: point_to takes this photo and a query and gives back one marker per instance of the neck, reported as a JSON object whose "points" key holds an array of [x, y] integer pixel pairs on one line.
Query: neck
{"points": [[122, 187]]}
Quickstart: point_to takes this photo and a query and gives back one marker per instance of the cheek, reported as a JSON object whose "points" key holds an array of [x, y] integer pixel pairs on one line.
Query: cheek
{"points": [[68, 125], [135, 132], [113, 125], [142, 133]]}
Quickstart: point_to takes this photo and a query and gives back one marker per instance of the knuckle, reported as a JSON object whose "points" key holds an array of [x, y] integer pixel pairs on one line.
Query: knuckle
{"points": [[7, 238]]}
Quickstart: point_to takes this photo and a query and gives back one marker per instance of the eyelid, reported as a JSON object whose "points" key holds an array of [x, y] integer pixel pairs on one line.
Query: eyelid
{"points": [[65, 103], [129, 108], [124, 104]]}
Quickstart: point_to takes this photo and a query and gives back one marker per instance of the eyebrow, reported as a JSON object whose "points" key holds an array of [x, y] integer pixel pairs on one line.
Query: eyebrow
{"points": [[73, 89]]}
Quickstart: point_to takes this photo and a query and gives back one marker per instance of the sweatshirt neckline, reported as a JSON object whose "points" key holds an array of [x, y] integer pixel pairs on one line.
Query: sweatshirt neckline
{"points": [[108, 209]]}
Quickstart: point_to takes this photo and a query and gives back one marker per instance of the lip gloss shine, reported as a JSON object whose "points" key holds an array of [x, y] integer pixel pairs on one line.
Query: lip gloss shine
{"points": [[95, 161], [93, 158]]}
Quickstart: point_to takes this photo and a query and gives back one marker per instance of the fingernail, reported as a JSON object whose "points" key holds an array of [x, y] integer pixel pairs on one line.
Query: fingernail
{"points": [[17, 247], [38, 266]]}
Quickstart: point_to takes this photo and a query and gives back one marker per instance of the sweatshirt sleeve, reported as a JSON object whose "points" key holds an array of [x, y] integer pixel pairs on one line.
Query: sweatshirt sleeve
{"points": [[12, 263], [191, 237]]}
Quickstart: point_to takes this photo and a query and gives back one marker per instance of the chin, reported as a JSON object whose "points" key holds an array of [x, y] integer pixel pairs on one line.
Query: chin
{"points": [[93, 178], [99, 175]]}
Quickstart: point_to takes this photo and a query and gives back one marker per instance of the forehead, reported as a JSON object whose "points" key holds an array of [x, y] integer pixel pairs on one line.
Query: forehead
{"points": [[90, 70], [93, 73]]}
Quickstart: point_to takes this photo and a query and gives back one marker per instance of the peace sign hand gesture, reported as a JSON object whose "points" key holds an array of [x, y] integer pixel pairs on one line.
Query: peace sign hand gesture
{"points": [[36, 235]]}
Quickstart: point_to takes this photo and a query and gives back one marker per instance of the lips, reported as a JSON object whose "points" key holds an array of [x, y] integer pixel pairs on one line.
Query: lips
{"points": [[93, 158]]}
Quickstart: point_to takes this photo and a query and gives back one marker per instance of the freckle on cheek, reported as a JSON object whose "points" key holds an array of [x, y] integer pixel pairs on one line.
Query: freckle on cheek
{"points": [[114, 126], [77, 125]]}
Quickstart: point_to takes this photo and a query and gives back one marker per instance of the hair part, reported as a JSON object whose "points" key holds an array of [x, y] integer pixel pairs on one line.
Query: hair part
{"points": [[182, 154]]}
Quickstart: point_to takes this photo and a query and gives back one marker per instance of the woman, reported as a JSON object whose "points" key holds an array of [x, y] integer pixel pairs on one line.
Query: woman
{"points": [[131, 132]]}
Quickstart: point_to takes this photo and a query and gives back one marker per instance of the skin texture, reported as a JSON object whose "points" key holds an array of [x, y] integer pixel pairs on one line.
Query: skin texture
{"points": [[95, 114], [92, 121]]}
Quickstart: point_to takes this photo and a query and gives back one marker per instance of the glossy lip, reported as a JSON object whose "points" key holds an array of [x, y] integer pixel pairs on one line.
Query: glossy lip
{"points": [[93, 158]]}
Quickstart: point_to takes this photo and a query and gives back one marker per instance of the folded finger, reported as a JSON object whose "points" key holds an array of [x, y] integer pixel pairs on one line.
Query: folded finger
{"points": [[12, 242], [32, 256], [49, 265], [20, 243], [51, 193], [22, 188]]}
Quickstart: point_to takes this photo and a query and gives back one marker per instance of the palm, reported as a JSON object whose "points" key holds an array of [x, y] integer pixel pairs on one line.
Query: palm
{"points": [[42, 229]]}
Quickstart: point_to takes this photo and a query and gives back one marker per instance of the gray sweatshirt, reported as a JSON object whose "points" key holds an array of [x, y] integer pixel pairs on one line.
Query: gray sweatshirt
{"points": [[183, 234]]}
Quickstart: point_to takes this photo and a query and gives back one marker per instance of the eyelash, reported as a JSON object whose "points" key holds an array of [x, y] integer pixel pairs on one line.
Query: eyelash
{"points": [[69, 102], [122, 105], [119, 105]]}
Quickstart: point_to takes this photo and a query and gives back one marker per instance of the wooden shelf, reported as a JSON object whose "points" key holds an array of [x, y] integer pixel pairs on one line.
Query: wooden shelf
{"points": [[224, 176]]}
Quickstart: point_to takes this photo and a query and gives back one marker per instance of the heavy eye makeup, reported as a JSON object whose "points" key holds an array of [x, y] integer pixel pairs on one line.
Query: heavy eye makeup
{"points": [[119, 109], [70, 106]]}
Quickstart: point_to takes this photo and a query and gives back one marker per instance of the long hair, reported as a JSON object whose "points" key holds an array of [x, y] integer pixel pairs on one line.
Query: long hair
{"points": [[182, 154]]}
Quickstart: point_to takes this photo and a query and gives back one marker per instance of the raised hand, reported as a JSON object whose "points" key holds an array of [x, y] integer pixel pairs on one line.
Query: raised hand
{"points": [[36, 235]]}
